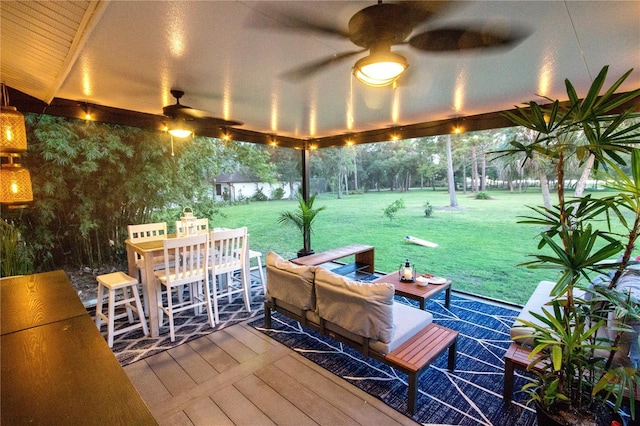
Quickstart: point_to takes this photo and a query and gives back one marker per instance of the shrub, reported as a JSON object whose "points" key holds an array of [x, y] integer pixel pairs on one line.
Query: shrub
{"points": [[392, 209], [259, 195], [482, 196], [277, 194], [428, 209], [16, 257]]}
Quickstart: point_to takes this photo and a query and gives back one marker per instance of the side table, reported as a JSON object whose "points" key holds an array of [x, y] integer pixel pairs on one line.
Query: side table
{"points": [[416, 292]]}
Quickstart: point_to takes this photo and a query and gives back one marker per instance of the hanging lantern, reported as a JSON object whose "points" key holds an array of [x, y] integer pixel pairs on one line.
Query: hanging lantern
{"points": [[15, 181], [15, 185], [13, 136]]}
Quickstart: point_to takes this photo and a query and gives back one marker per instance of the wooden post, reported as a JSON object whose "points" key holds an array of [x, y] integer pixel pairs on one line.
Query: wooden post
{"points": [[306, 234]]}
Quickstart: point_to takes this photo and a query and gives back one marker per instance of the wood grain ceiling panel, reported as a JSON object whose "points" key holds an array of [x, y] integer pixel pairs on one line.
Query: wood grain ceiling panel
{"points": [[43, 37]]}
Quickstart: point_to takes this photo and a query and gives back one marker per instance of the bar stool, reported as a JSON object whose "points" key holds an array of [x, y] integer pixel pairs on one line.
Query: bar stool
{"points": [[113, 282], [254, 254]]}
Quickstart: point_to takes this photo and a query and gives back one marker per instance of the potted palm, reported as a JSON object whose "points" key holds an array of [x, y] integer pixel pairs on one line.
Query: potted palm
{"points": [[577, 376], [303, 219]]}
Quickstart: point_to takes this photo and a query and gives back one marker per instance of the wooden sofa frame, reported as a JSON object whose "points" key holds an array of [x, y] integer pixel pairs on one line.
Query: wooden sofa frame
{"points": [[412, 357]]}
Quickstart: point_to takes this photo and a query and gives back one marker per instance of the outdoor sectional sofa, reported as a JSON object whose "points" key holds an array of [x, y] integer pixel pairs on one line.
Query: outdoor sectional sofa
{"points": [[517, 354], [361, 315]]}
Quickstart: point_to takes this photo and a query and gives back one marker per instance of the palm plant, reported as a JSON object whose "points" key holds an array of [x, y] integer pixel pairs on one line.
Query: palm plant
{"points": [[578, 372], [303, 219]]}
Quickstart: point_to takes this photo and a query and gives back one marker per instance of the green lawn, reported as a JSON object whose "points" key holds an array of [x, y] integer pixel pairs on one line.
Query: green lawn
{"points": [[478, 246]]}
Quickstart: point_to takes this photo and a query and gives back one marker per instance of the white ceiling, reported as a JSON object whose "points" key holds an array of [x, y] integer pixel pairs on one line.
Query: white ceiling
{"points": [[129, 54]]}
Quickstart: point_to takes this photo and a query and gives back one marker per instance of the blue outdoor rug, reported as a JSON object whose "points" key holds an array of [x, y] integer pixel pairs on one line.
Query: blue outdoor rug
{"points": [[471, 395], [133, 346]]}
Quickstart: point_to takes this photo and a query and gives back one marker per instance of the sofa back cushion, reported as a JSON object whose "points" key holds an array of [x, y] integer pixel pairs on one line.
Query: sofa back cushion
{"points": [[365, 309], [290, 283]]}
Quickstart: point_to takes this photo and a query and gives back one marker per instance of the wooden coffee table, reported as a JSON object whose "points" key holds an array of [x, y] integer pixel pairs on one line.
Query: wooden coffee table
{"points": [[414, 291]]}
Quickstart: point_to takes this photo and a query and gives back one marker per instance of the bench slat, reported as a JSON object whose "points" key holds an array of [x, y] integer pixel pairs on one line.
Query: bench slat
{"points": [[423, 348]]}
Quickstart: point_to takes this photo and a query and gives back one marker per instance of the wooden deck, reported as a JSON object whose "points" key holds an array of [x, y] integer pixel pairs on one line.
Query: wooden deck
{"points": [[241, 376]]}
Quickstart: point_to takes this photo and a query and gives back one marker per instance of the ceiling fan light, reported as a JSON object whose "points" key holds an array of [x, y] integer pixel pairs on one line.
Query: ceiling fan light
{"points": [[180, 133], [380, 69], [178, 129], [373, 82]]}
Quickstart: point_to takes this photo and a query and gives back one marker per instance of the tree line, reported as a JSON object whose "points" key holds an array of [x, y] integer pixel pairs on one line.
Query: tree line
{"points": [[91, 180]]}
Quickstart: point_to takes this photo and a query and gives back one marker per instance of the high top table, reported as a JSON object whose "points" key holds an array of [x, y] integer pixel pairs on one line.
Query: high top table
{"points": [[55, 366], [150, 250]]}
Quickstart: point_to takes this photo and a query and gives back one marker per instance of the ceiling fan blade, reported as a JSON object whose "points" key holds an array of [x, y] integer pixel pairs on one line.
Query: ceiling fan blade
{"points": [[184, 112], [313, 67], [461, 39], [423, 11], [208, 122], [284, 20], [196, 117]]}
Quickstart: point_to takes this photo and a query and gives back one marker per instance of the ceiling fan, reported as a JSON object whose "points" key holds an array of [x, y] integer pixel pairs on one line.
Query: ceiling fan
{"points": [[378, 27], [185, 119]]}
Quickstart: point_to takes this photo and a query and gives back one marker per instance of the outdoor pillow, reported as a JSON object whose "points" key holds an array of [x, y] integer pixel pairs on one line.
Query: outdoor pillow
{"points": [[289, 282], [365, 309]]}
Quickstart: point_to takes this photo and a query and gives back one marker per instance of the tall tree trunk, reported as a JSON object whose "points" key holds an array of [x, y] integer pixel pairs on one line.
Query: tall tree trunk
{"points": [[346, 183], [586, 172], [291, 192], [544, 188], [474, 170], [483, 177], [520, 178], [464, 177], [355, 171], [453, 202]]}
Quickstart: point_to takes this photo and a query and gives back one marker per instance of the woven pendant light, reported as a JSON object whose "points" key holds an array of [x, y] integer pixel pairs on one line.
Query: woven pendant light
{"points": [[13, 136], [15, 181], [15, 185]]}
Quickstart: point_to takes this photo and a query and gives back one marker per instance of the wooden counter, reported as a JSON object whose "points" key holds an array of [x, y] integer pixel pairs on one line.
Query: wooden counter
{"points": [[32, 300], [56, 370]]}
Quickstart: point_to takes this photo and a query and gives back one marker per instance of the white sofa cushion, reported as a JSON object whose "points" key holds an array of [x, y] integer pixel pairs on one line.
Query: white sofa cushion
{"points": [[539, 298], [290, 283], [407, 322], [365, 309]]}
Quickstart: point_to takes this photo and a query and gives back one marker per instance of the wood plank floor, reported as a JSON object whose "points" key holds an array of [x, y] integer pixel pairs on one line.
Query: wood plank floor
{"points": [[240, 376]]}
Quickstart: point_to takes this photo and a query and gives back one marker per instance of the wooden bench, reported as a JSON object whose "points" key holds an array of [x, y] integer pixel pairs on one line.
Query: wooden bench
{"points": [[517, 357], [414, 356], [364, 255]]}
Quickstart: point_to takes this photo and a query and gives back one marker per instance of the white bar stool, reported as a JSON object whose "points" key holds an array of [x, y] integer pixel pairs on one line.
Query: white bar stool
{"points": [[119, 281], [254, 254]]}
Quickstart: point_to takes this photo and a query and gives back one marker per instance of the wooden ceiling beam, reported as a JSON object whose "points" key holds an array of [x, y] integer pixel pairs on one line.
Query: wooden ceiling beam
{"points": [[75, 109]]}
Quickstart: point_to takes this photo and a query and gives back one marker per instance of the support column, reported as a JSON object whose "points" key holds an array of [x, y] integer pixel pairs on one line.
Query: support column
{"points": [[305, 172], [306, 235]]}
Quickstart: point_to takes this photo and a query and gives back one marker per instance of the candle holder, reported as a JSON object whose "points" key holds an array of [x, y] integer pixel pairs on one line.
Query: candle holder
{"points": [[407, 272]]}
